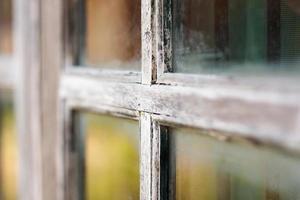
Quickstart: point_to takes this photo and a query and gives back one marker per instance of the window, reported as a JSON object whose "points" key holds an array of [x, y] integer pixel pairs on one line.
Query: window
{"points": [[105, 34], [211, 167], [238, 36], [227, 69], [110, 149]]}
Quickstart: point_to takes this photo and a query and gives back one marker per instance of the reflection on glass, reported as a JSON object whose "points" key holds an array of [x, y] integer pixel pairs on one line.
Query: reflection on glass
{"points": [[112, 158], [236, 35], [8, 148], [5, 26], [209, 169], [111, 34]]}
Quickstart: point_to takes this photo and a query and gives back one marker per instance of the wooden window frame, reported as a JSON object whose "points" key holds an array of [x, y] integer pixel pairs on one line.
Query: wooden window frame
{"points": [[162, 98], [49, 89]]}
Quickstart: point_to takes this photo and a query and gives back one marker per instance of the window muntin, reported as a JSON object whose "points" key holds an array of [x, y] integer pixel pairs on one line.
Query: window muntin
{"points": [[106, 34], [234, 36], [111, 152], [6, 27], [205, 167]]}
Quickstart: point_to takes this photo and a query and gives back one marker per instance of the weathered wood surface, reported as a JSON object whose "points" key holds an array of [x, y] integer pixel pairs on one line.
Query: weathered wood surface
{"points": [[106, 75], [145, 156], [149, 41], [266, 110], [272, 116], [38, 49], [150, 158], [155, 159], [27, 51], [276, 83], [50, 69], [156, 39]]}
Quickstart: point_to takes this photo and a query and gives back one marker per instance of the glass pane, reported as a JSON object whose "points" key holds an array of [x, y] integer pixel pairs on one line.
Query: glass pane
{"points": [[254, 36], [211, 169], [5, 26], [8, 148], [111, 32], [111, 158]]}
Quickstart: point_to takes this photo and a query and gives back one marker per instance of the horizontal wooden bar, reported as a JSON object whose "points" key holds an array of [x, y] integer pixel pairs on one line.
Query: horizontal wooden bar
{"points": [[105, 74], [283, 83], [267, 115]]}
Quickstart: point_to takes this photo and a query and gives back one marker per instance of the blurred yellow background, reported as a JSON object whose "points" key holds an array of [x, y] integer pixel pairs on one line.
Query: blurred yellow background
{"points": [[112, 158], [8, 149]]}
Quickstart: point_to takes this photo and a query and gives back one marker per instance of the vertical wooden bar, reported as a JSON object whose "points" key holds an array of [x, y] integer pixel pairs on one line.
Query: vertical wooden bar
{"points": [[156, 39], [148, 41], [156, 159], [51, 63], [153, 65], [38, 48], [150, 158], [145, 156], [27, 53], [149, 130]]}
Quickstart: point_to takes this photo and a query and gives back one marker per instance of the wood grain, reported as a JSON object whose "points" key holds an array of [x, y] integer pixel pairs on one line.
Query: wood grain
{"points": [[38, 45], [267, 115]]}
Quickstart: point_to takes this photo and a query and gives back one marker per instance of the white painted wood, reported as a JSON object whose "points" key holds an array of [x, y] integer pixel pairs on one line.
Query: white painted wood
{"points": [[78, 104], [269, 115], [155, 159], [271, 82], [149, 175], [27, 50], [150, 158], [156, 39], [145, 157], [38, 46], [148, 42], [50, 68], [108, 75]]}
